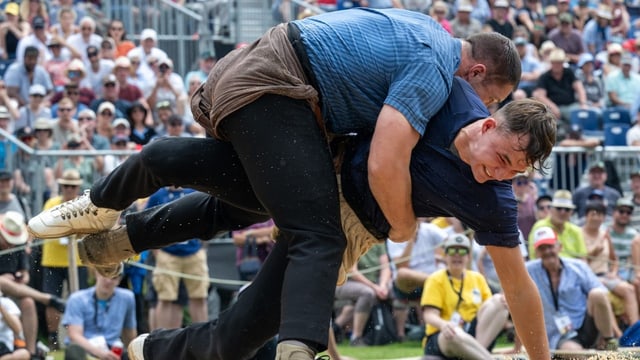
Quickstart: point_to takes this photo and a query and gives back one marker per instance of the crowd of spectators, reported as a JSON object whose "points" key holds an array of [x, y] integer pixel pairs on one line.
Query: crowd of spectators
{"points": [[70, 84]]}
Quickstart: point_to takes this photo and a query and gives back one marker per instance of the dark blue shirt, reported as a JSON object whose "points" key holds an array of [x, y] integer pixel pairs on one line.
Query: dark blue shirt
{"points": [[442, 184]]}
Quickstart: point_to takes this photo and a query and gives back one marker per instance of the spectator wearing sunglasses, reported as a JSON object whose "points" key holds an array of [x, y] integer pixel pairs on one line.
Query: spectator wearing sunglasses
{"points": [[97, 69], [597, 179], [559, 219], [57, 65], [111, 93], [576, 306], [85, 38], [622, 236], [65, 125], [148, 49], [36, 108], [543, 206], [457, 301]]}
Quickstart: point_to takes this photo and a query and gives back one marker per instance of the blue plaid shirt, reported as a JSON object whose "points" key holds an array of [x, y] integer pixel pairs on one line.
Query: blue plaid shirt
{"points": [[365, 58]]}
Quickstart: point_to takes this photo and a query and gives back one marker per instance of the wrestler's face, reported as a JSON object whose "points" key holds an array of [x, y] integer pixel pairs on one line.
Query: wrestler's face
{"points": [[495, 155]]}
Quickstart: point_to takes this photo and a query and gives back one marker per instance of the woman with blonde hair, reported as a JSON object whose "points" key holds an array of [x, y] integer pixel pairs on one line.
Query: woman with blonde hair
{"points": [[66, 25], [32, 8], [439, 11]]}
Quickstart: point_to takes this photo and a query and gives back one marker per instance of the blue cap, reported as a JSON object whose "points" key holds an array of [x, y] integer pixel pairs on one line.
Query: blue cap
{"points": [[585, 58]]}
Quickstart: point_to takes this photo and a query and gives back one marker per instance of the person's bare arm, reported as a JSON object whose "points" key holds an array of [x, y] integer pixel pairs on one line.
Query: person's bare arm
{"points": [[523, 299], [541, 94], [389, 178], [128, 335], [76, 335], [12, 320]]}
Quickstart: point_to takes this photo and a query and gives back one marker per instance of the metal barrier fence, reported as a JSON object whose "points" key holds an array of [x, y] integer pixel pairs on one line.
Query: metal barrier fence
{"points": [[567, 166]]}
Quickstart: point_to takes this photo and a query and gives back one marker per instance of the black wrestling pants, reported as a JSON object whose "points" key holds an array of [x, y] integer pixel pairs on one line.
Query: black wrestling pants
{"points": [[275, 164]]}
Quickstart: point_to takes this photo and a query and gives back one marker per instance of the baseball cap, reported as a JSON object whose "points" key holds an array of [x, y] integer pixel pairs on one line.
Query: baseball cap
{"points": [[109, 79], [166, 61], [544, 236], [634, 173], [37, 89], [5, 175], [123, 62], [163, 104], [625, 202], [38, 22], [614, 48], [43, 124], [13, 228], [585, 58], [465, 7], [149, 34], [626, 59], [24, 132], [501, 4], [121, 122], [596, 193], [565, 17], [457, 240], [12, 9], [207, 54], [598, 165], [562, 199], [107, 105]]}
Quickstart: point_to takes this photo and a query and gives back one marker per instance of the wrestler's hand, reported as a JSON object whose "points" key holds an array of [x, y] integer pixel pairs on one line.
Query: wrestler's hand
{"points": [[404, 234]]}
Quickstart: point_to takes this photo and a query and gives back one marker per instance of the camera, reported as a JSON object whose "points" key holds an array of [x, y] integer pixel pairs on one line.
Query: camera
{"points": [[73, 144]]}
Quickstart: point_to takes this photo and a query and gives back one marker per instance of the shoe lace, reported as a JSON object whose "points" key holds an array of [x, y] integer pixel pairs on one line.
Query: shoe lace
{"points": [[77, 207]]}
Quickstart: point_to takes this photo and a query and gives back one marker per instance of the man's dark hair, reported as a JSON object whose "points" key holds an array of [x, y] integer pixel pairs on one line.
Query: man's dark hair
{"points": [[31, 50], [533, 119], [499, 55], [595, 205]]}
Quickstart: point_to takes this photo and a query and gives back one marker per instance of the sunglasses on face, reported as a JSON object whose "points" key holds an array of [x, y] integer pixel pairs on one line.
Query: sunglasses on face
{"points": [[106, 113], [544, 207], [459, 251], [110, 85], [69, 186], [37, 96], [92, 54], [521, 182], [86, 28], [85, 118], [561, 209], [65, 109], [624, 211], [116, 28], [73, 92]]}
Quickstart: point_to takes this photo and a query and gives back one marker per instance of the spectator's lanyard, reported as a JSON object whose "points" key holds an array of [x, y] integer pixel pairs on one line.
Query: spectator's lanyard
{"points": [[97, 304], [554, 293], [459, 293]]}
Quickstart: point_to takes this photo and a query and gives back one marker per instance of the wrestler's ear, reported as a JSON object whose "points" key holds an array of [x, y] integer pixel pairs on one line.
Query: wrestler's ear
{"points": [[489, 124], [477, 71]]}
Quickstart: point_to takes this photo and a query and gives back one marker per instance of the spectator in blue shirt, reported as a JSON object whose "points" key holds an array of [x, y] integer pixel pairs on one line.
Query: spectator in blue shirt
{"points": [[576, 305]]}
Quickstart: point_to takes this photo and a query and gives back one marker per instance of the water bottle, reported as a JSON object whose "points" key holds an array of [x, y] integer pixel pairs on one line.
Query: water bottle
{"points": [[117, 347]]}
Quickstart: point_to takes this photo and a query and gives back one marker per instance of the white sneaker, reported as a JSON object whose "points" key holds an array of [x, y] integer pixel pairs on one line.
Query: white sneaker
{"points": [[77, 216], [136, 347]]}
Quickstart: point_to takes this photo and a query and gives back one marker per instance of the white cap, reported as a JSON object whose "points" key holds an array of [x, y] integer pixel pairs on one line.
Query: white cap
{"points": [[121, 121], [149, 34], [37, 89], [457, 240]]}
